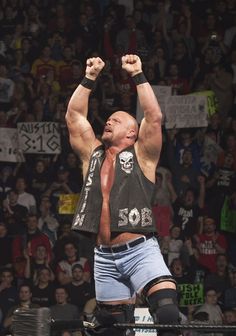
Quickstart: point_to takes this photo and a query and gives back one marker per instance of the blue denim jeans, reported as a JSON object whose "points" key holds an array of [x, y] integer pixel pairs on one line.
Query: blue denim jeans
{"points": [[118, 276]]}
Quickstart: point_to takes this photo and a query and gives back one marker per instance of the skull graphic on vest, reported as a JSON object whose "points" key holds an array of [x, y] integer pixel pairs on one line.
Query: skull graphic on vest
{"points": [[126, 161]]}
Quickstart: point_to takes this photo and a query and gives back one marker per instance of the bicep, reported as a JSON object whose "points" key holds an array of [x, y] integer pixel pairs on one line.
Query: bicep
{"points": [[82, 137]]}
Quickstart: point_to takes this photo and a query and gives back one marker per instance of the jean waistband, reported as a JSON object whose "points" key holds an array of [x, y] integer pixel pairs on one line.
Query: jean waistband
{"points": [[123, 247]]}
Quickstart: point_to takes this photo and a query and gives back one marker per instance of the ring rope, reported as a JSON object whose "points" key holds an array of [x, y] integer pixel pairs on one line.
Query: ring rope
{"points": [[38, 322]]}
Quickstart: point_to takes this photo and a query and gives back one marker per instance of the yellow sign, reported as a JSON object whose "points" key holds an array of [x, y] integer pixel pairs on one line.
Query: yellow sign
{"points": [[212, 102], [68, 203]]}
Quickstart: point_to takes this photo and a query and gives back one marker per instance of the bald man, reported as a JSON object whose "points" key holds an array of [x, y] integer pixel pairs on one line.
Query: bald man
{"points": [[115, 203]]}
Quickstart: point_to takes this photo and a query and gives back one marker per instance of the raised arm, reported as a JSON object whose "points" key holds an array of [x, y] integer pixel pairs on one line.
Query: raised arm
{"points": [[148, 145], [82, 137]]}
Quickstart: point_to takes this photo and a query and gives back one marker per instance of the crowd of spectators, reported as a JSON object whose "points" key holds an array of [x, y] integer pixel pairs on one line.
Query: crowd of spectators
{"points": [[189, 45]]}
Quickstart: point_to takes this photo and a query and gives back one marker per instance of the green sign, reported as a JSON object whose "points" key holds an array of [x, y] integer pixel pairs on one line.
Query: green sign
{"points": [[191, 294], [228, 217]]}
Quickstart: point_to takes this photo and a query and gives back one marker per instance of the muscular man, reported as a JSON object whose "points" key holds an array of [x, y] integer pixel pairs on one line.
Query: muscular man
{"points": [[115, 203]]}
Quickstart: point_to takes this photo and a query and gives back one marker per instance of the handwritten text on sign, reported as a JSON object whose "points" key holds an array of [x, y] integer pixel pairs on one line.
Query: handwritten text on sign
{"points": [[190, 294], [186, 111], [39, 137]]}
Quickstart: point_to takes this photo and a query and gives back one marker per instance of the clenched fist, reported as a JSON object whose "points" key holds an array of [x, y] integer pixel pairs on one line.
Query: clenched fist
{"points": [[94, 66], [132, 64]]}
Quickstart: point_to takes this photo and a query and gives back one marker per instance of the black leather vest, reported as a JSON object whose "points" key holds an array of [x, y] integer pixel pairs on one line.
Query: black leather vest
{"points": [[130, 196]]}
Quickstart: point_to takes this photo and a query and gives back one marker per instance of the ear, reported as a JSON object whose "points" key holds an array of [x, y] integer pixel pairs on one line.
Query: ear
{"points": [[131, 134]]}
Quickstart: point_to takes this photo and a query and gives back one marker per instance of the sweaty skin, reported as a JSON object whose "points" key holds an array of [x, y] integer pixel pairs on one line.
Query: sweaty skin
{"points": [[120, 132], [107, 178]]}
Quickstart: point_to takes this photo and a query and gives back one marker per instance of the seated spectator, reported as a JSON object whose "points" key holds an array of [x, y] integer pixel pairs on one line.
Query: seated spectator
{"points": [[79, 290], [209, 153], [44, 63], [43, 290], [47, 223], [157, 64], [36, 262], [14, 213], [188, 209], [25, 303], [211, 307], [220, 185], [71, 257], [171, 245], [230, 294], [162, 209], [129, 37], [64, 234], [185, 173], [220, 81], [186, 139], [216, 127], [61, 185], [124, 83], [181, 274], [39, 178], [110, 96], [8, 85], [64, 66], [197, 318], [75, 78], [63, 310], [24, 198], [229, 146], [8, 291], [209, 244], [220, 279], [179, 85], [46, 99], [73, 165], [190, 272], [27, 244], [6, 181], [229, 317], [5, 246]]}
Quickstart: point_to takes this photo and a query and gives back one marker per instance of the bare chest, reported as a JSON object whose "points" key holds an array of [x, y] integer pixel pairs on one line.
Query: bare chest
{"points": [[107, 175]]}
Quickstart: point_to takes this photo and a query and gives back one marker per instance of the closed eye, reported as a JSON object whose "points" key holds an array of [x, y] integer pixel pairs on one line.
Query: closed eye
{"points": [[117, 120]]}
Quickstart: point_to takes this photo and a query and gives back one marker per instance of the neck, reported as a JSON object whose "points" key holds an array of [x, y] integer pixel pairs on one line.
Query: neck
{"points": [[32, 231], [221, 272], [115, 149], [77, 282], [40, 261], [20, 192], [73, 258], [43, 285], [25, 303]]}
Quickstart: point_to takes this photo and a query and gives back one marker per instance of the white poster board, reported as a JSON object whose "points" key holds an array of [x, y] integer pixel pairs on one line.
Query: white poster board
{"points": [[9, 146], [186, 111], [161, 92], [6, 89], [39, 137]]}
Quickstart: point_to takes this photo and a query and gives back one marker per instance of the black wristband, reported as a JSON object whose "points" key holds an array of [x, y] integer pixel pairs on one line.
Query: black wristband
{"points": [[139, 78], [88, 83]]}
